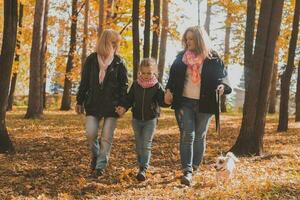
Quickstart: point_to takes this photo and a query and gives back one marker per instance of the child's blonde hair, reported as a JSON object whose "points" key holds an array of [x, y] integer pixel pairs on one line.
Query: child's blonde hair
{"points": [[104, 43], [149, 62], [201, 39]]}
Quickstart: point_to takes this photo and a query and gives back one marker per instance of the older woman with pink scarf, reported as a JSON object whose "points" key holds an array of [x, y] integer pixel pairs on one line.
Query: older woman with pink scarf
{"points": [[195, 76], [103, 84]]}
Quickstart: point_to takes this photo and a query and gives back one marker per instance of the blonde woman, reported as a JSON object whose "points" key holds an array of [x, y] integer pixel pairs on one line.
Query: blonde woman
{"points": [[195, 75], [103, 84]]}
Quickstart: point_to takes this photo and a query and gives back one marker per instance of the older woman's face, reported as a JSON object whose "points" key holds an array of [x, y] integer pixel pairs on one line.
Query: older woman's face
{"points": [[190, 42]]}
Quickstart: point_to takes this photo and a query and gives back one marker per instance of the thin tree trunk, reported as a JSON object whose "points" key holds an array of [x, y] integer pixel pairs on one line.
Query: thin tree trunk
{"points": [[85, 33], [17, 59], [135, 37], [163, 39], [249, 38], [43, 59], [207, 19], [287, 74], [146, 48], [226, 55], [6, 61], [34, 101], [66, 99], [250, 140], [156, 28], [273, 96], [297, 118], [101, 16]]}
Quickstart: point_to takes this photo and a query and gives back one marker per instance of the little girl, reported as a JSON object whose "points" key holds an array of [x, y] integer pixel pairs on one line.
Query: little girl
{"points": [[145, 96]]}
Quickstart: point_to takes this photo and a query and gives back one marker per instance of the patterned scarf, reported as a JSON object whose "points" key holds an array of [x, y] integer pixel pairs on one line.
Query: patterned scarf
{"points": [[194, 63], [147, 83], [103, 65]]}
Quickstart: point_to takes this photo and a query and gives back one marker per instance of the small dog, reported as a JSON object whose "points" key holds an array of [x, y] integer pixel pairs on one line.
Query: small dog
{"points": [[225, 166]]}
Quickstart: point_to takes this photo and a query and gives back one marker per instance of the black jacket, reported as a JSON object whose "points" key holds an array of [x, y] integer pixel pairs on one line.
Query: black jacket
{"points": [[213, 73], [145, 103], [101, 99]]}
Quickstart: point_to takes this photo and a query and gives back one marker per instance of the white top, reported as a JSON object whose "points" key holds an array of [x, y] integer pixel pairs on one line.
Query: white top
{"points": [[191, 90]]}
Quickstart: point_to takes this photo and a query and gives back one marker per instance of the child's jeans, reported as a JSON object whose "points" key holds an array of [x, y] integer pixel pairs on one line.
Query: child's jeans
{"points": [[143, 132]]}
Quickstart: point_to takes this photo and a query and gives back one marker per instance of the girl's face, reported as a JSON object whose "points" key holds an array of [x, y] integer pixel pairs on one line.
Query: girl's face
{"points": [[190, 42], [147, 72]]}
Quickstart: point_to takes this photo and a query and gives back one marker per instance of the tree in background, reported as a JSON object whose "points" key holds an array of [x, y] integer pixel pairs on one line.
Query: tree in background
{"points": [[250, 139], [6, 61], [287, 74], [297, 118], [35, 84], [135, 37], [155, 28], [146, 47]]}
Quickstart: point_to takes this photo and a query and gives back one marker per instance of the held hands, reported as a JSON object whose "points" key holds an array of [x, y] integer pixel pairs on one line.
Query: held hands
{"points": [[79, 109], [221, 89], [168, 97], [120, 110]]}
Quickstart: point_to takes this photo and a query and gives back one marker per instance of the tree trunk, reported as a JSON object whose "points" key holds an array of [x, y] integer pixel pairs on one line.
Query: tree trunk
{"points": [[208, 15], [101, 17], [35, 84], [156, 28], [66, 99], [135, 37], [43, 59], [249, 37], [109, 13], [85, 33], [250, 140], [226, 55], [297, 118], [273, 96], [146, 48], [17, 59], [287, 74], [163, 39], [6, 61]]}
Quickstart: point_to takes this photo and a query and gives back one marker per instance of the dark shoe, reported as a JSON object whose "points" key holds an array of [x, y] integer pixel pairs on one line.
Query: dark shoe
{"points": [[141, 176], [93, 163], [186, 179], [98, 173]]}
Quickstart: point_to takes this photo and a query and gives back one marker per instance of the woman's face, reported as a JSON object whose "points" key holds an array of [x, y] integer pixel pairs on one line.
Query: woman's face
{"points": [[190, 42], [147, 72]]}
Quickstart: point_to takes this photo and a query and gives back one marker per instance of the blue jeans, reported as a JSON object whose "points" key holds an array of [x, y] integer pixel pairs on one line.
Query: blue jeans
{"points": [[193, 127], [143, 132], [102, 150]]}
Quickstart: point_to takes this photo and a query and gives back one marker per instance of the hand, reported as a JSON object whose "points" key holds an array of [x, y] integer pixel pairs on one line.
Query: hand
{"points": [[120, 110], [221, 89], [79, 109], [168, 97]]}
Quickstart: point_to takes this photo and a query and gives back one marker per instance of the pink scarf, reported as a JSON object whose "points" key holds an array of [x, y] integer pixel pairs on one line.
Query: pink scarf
{"points": [[147, 83], [194, 63], [103, 65]]}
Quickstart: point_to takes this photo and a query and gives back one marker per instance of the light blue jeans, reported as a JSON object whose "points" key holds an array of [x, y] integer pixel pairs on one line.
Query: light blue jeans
{"points": [[143, 132], [193, 127], [102, 150]]}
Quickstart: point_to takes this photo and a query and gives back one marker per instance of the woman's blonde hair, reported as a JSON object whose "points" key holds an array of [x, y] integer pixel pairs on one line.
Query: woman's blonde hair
{"points": [[149, 62], [201, 39], [106, 41]]}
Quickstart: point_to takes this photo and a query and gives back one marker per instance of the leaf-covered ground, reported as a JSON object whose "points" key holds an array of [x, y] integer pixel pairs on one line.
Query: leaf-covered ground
{"points": [[52, 162]]}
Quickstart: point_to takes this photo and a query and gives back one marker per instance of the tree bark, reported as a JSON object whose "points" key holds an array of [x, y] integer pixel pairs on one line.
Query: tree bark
{"points": [[6, 61], [17, 59], [101, 17], [297, 118], [66, 99], [273, 96], [287, 74], [85, 33], [163, 39], [135, 37], [146, 48], [249, 38], [156, 28], [43, 59], [250, 140], [35, 83], [207, 19]]}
